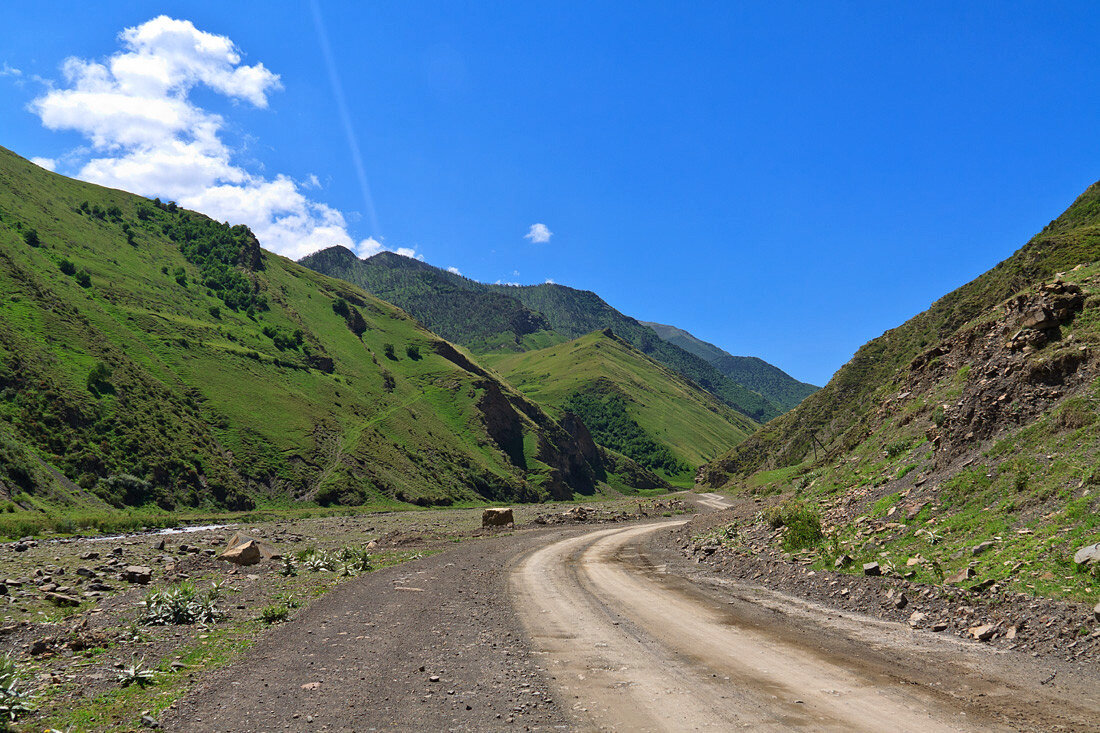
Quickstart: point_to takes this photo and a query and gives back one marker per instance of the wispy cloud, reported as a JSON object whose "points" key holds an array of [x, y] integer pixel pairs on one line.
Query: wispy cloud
{"points": [[539, 234], [6, 70], [148, 136]]}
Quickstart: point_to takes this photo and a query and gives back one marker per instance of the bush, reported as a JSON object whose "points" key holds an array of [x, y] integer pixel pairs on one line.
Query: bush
{"points": [[387, 349], [215, 311], [31, 237], [99, 379], [938, 416], [802, 522], [413, 352], [340, 307], [84, 279], [67, 267]]}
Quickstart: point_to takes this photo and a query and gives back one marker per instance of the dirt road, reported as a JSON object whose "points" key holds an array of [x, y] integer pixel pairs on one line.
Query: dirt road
{"points": [[631, 647]]}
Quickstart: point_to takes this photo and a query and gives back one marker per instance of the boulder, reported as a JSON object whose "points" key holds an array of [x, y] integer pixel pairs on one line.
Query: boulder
{"points": [[497, 517], [246, 553], [871, 568], [137, 574], [267, 550], [1087, 555]]}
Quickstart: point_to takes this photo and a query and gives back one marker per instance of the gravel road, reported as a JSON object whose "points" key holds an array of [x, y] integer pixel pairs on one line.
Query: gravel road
{"points": [[598, 628]]}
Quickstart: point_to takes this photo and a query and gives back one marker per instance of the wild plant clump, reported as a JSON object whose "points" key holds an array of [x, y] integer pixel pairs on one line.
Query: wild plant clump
{"points": [[347, 561], [181, 605], [14, 701], [803, 525], [136, 674]]}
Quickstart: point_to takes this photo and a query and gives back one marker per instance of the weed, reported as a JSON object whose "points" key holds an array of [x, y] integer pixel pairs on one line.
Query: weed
{"points": [[136, 674], [274, 614], [802, 523], [14, 701], [180, 604]]}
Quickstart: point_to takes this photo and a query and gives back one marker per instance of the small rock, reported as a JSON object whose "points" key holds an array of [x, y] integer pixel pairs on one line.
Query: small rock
{"points": [[901, 601], [61, 599], [843, 561], [1095, 611], [434, 678], [149, 721], [90, 556], [85, 572], [981, 547], [246, 553], [158, 545], [871, 568], [917, 618], [1087, 555], [964, 574], [939, 626], [311, 686], [984, 632]]}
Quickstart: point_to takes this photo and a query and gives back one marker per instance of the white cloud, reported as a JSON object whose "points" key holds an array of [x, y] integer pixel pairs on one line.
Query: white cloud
{"points": [[312, 181], [539, 234], [453, 270], [6, 70], [48, 163], [550, 281], [149, 137]]}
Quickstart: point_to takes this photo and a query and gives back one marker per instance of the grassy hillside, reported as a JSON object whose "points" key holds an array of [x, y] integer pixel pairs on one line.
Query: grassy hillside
{"points": [[832, 416], [489, 318], [758, 375], [966, 441], [152, 356], [457, 308], [629, 402]]}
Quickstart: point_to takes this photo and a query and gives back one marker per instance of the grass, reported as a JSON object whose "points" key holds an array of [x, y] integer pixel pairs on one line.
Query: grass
{"points": [[211, 397], [690, 423]]}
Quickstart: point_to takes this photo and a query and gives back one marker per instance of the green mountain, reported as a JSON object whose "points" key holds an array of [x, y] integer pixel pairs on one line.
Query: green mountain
{"points": [[150, 355], [629, 402], [488, 318], [755, 373], [974, 422]]}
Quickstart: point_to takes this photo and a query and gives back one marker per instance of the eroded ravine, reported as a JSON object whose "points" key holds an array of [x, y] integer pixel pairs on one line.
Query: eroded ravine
{"points": [[628, 652]]}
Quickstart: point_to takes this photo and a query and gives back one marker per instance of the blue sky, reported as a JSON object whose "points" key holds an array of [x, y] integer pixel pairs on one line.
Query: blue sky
{"points": [[786, 180]]}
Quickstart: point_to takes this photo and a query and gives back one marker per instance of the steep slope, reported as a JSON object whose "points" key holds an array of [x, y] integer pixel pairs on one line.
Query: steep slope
{"points": [[758, 375], [574, 313], [832, 416], [151, 355], [964, 444], [458, 309], [487, 318], [629, 402]]}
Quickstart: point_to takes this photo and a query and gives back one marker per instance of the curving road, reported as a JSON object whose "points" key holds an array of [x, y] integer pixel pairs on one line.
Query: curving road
{"points": [[630, 647]]}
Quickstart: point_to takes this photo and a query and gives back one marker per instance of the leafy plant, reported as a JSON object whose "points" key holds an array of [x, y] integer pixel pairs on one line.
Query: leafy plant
{"points": [[14, 701], [136, 673], [803, 524], [181, 605], [274, 614]]}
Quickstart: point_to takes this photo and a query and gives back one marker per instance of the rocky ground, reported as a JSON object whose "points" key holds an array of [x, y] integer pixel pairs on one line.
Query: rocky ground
{"points": [[71, 606], [738, 543]]}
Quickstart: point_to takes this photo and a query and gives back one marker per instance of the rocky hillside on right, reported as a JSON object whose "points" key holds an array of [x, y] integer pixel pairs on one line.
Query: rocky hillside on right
{"points": [[960, 447]]}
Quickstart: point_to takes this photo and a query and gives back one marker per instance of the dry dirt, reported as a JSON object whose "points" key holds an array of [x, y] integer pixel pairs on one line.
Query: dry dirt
{"points": [[609, 628]]}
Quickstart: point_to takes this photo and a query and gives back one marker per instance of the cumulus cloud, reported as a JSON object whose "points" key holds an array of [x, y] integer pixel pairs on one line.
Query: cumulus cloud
{"points": [[538, 233], [453, 270], [149, 137], [550, 281], [48, 163]]}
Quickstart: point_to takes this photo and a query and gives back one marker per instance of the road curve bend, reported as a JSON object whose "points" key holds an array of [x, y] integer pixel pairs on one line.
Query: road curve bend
{"points": [[629, 651]]}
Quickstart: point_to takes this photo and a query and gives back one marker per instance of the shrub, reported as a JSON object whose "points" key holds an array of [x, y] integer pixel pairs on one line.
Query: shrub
{"points": [[387, 349], [413, 352], [31, 237], [215, 311], [340, 307], [67, 267], [84, 279], [99, 379], [938, 416], [802, 522], [895, 449]]}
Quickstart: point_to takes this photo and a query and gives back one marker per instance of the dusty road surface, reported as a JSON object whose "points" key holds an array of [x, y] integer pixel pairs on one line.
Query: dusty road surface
{"points": [[633, 648], [606, 628]]}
